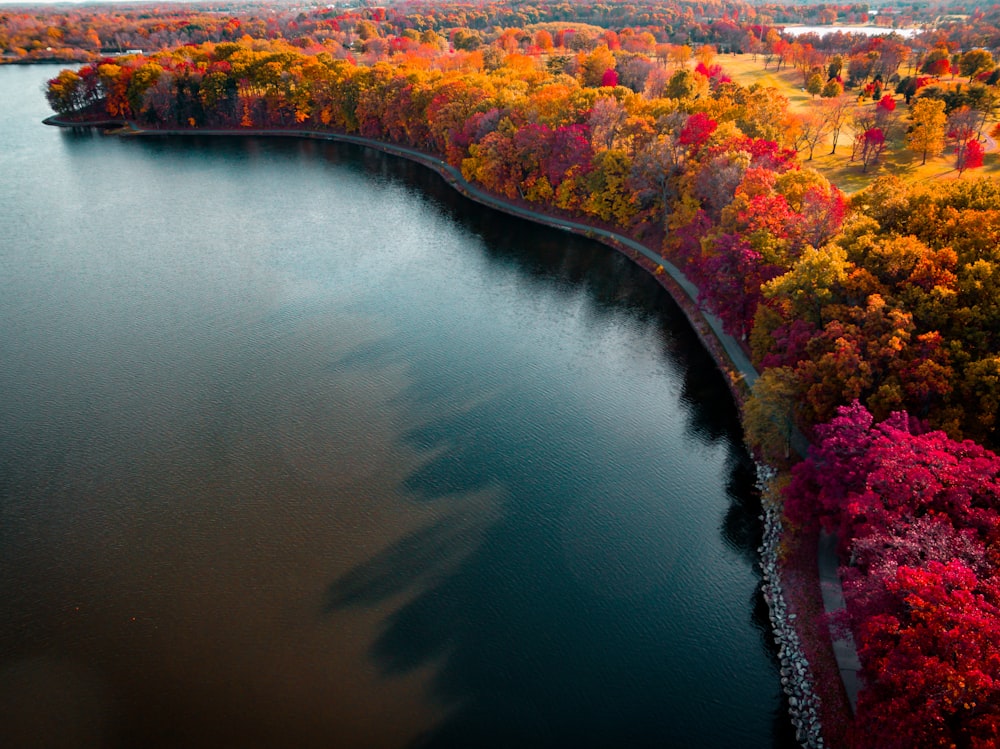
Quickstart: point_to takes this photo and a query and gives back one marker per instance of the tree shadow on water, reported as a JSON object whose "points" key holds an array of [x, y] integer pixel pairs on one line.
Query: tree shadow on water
{"points": [[526, 651], [742, 530], [396, 569]]}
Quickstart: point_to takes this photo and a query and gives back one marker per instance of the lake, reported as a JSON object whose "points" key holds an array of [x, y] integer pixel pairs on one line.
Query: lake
{"points": [[866, 30], [303, 449]]}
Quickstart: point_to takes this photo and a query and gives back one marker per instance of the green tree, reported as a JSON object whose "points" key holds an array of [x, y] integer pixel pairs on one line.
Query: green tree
{"points": [[682, 85], [975, 61], [814, 84], [832, 89]]}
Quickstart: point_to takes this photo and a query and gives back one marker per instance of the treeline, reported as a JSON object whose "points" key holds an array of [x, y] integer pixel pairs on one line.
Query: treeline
{"points": [[889, 299], [87, 33], [704, 157]]}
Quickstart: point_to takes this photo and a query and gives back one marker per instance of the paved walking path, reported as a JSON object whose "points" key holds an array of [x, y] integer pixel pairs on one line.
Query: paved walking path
{"points": [[844, 648]]}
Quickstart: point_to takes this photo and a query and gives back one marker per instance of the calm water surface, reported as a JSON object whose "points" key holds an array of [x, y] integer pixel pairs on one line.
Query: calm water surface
{"points": [[300, 449], [866, 30]]}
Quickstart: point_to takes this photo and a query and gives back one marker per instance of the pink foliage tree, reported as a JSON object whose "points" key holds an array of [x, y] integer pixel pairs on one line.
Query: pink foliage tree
{"points": [[918, 515]]}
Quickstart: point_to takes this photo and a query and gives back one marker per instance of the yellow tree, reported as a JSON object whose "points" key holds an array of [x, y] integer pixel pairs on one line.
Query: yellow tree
{"points": [[769, 414], [593, 66], [680, 54], [927, 132], [705, 54]]}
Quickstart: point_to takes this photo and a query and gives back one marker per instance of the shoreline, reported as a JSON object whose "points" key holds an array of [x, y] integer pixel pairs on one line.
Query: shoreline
{"points": [[795, 671]]}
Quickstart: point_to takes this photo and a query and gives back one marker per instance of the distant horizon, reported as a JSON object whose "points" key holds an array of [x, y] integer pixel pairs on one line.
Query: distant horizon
{"points": [[23, 4]]}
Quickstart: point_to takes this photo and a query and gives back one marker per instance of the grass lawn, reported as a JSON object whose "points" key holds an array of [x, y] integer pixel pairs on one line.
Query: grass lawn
{"points": [[747, 71], [837, 168], [901, 163]]}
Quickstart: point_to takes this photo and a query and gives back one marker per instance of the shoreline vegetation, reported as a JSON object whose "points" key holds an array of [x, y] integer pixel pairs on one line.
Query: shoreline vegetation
{"points": [[796, 668], [873, 321]]}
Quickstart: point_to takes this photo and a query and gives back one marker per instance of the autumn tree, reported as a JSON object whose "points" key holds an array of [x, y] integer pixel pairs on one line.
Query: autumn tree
{"points": [[926, 135], [594, 65], [873, 128], [974, 62], [963, 135], [932, 667], [815, 126], [815, 83], [832, 89], [837, 112], [768, 417], [937, 62]]}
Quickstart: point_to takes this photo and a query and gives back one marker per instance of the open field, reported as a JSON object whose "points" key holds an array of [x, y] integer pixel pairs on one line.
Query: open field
{"points": [[747, 71], [837, 167]]}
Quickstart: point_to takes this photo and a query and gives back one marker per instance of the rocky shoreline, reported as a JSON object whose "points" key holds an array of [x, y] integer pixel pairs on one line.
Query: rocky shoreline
{"points": [[796, 674]]}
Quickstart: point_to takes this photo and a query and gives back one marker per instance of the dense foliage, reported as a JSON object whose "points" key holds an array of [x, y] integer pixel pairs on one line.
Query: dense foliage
{"points": [[918, 515], [899, 311], [85, 33]]}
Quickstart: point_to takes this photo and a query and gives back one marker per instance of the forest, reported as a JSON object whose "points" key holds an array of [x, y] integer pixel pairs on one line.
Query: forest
{"points": [[873, 317]]}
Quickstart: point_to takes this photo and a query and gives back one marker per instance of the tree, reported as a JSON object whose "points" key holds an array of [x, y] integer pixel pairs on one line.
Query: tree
{"points": [[932, 668], [873, 128], [813, 282], [974, 155], [608, 199], [927, 132], [593, 66], [64, 92], [606, 118], [764, 114], [814, 84], [975, 61], [679, 55], [683, 84], [837, 111], [656, 173], [731, 284], [832, 89], [835, 67], [697, 130], [768, 418], [543, 40], [983, 100], [869, 144], [815, 125], [963, 132], [937, 62]]}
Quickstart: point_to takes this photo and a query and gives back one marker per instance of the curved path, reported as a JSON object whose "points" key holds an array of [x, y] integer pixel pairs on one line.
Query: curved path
{"points": [[833, 597]]}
